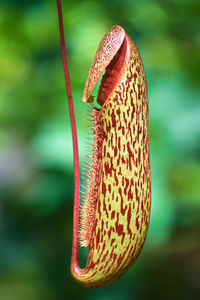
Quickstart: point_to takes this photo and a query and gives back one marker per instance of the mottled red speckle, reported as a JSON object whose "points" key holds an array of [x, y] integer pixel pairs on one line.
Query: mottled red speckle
{"points": [[112, 215], [137, 223]]}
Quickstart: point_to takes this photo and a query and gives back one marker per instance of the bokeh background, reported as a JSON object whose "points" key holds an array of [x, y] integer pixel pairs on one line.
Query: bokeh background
{"points": [[36, 165]]}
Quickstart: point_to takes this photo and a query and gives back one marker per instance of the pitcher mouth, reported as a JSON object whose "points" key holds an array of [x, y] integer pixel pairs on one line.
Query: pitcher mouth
{"points": [[111, 57], [113, 74]]}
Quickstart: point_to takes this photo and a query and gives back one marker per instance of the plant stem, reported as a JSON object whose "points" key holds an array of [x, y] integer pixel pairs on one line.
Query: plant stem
{"points": [[75, 247]]}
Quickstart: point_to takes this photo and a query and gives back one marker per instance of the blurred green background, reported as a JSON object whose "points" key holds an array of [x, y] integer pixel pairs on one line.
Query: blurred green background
{"points": [[36, 165]]}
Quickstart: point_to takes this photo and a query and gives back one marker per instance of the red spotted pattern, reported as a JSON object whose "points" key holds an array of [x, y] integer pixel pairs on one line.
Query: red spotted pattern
{"points": [[120, 178]]}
